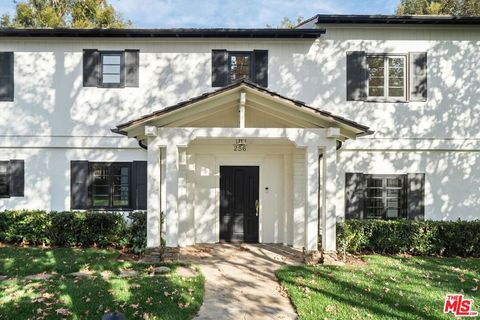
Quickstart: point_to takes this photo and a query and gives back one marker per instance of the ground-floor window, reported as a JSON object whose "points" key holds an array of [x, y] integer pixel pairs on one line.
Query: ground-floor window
{"points": [[385, 196], [4, 181], [110, 187]]}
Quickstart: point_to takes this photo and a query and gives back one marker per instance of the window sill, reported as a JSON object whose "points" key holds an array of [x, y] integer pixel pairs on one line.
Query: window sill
{"points": [[386, 100], [107, 209], [110, 86]]}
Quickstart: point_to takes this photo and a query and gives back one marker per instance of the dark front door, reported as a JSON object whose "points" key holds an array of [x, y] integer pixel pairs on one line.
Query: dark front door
{"points": [[238, 203]]}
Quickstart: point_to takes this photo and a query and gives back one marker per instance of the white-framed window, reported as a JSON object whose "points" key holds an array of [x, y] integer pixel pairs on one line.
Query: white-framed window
{"points": [[386, 77]]}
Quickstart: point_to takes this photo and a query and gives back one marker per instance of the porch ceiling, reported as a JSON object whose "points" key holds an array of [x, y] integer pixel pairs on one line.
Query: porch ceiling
{"points": [[262, 108]]}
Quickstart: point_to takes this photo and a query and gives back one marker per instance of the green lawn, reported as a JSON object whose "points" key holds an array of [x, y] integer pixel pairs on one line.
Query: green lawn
{"points": [[383, 288], [64, 297]]}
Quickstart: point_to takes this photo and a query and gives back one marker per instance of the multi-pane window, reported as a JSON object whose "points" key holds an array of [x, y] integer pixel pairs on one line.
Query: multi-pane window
{"points": [[239, 66], [386, 77], [110, 185], [4, 181], [111, 64], [385, 197]]}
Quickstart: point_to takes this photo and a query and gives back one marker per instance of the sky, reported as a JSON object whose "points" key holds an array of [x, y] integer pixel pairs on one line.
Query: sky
{"points": [[231, 13]]}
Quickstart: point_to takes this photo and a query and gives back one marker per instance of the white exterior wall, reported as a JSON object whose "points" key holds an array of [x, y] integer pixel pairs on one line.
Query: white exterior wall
{"points": [[47, 173], [54, 119]]}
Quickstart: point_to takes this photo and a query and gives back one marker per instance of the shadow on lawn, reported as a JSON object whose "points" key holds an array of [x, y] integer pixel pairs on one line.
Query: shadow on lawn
{"points": [[160, 297], [424, 281]]}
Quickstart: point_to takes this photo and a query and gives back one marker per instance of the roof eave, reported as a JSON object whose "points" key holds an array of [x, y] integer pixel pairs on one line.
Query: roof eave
{"points": [[397, 20], [264, 33]]}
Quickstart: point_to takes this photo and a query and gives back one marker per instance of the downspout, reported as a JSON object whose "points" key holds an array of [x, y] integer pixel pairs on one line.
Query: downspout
{"points": [[320, 193], [142, 145], [339, 144]]}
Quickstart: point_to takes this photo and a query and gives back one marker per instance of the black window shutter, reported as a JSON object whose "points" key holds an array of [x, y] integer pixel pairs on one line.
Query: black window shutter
{"points": [[139, 185], [261, 67], [418, 76], [131, 68], [219, 68], [357, 75], [416, 196], [90, 67], [355, 185], [79, 181], [6, 76], [16, 170]]}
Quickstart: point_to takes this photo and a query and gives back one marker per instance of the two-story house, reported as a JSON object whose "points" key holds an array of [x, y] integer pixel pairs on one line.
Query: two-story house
{"points": [[258, 135]]}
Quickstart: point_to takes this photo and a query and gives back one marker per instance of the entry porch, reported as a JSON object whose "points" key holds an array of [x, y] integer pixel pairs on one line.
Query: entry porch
{"points": [[242, 163]]}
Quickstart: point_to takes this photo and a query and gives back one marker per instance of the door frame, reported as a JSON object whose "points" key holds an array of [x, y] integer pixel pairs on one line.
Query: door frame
{"points": [[234, 161]]}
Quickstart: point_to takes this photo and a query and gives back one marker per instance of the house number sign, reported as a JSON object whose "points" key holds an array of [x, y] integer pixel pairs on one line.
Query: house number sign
{"points": [[240, 145]]}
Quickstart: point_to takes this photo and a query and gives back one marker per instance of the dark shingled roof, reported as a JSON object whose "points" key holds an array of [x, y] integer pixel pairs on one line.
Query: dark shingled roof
{"points": [[250, 84], [392, 19], [165, 33]]}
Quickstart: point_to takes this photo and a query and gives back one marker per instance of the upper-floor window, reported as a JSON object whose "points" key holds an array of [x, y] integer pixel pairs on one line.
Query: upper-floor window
{"points": [[231, 66], [111, 69], [386, 77], [239, 65], [6, 76]]}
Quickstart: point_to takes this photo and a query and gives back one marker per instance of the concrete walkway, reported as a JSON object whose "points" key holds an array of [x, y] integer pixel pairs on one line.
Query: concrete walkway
{"points": [[240, 280]]}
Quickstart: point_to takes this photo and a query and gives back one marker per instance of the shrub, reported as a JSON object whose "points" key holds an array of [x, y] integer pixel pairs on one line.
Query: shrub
{"points": [[138, 231], [73, 229], [444, 238]]}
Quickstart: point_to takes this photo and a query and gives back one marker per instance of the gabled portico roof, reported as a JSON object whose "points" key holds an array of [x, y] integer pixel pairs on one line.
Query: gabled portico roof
{"points": [[283, 109]]}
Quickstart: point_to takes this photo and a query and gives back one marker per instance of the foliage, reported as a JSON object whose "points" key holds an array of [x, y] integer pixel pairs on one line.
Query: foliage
{"points": [[286, 23], [439, 7], [74, 229], [63, 296], [443, 238], [138, 231], [64, 14], [382, 288]]}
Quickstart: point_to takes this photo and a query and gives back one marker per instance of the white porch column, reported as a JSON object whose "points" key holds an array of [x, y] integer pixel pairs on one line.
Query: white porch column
{"points": [[153, 192], [329, 214], [171, 208], [311, 203]]}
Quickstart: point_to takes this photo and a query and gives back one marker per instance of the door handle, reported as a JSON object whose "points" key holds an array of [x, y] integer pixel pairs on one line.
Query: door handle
{"points": [[257, 207]]}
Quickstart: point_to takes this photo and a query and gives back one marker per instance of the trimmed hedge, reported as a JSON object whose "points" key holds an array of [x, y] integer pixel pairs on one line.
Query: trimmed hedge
{"points": [[74, 229], [436, 238]]}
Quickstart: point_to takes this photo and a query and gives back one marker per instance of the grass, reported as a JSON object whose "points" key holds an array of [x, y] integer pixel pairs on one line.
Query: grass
{"points": [[64, 297], [384, 288]]}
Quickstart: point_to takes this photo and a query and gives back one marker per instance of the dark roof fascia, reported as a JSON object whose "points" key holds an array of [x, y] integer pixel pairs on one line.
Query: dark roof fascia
{"points": [[166, 33], [120, 128], [392, 19]]}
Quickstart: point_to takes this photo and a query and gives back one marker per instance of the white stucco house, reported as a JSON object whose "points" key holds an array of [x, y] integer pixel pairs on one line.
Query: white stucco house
{"points": [[255, 135]]}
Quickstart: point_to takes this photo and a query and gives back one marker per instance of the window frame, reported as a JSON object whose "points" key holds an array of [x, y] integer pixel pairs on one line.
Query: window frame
{"points": [[251, 69], [110, 165], [6, 163], [402, 198], [406, 75], [121, 84]]}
